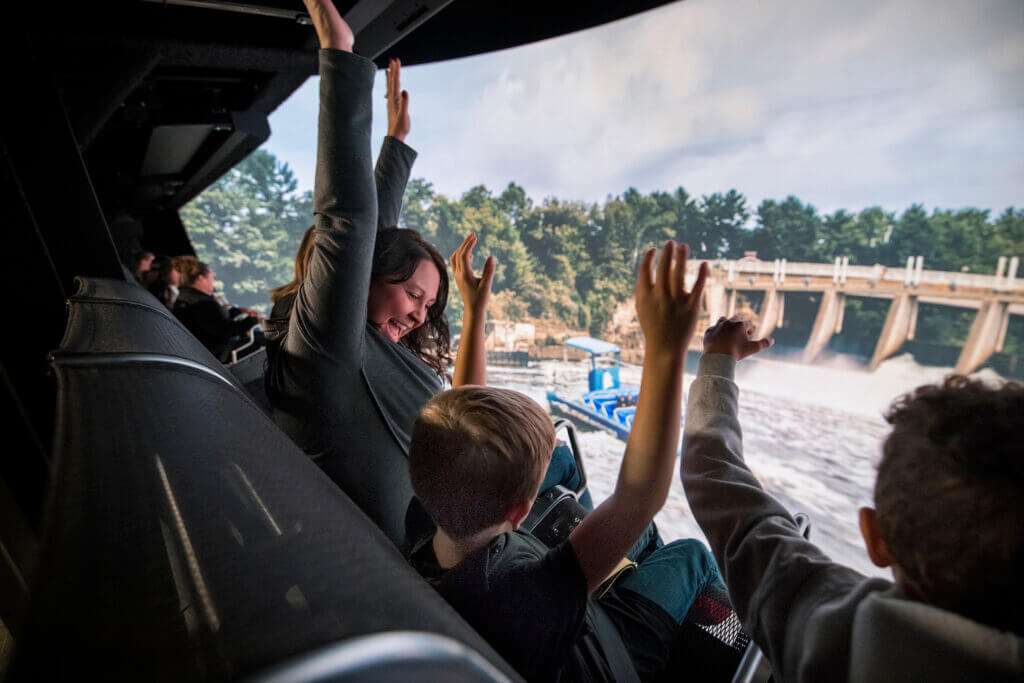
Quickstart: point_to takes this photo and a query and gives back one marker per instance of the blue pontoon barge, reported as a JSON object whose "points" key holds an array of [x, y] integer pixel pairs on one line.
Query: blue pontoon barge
{"points": [[606, 404]]}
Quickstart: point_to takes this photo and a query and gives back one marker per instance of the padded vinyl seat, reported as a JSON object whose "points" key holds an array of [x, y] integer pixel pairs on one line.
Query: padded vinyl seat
{"points": [[250, 371], [111, 316], [188, 538]]}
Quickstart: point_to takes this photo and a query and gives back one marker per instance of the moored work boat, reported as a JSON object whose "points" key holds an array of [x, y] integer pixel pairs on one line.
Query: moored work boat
{"points": [[606, 404]]}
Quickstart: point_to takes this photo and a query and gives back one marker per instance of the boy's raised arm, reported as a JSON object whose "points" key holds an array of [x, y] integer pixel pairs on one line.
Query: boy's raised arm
{"points": [[471, 359], [668, 316]]}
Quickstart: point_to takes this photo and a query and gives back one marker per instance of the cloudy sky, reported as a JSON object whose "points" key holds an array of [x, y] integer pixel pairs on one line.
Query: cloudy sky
{"points": [[843, 104]]}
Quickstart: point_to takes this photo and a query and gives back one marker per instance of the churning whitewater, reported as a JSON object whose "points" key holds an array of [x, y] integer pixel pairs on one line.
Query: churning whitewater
{"points": [[811, 434]]}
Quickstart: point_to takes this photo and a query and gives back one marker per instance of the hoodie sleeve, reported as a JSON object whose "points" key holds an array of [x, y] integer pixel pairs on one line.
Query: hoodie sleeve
{"points": [[394, 164], [329, 315], [790, 597]]}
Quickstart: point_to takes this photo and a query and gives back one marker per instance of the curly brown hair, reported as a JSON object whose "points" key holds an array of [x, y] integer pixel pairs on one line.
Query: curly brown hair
{"points": [[396, 254], [190, 268], [302, 258], [950, 497]]}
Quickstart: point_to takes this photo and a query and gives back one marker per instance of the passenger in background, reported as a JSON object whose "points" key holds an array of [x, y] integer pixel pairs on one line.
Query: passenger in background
{"points": [[183, 264], [219, 329], [948, 519], [162, 280], [186, 264], [141, 262]]}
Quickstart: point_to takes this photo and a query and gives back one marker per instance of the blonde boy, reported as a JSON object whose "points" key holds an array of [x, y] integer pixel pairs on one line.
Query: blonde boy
{"points": [[477, 459]]}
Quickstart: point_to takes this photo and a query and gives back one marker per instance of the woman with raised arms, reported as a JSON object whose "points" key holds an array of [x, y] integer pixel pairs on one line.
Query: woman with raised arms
{"points": [[366, 342]]}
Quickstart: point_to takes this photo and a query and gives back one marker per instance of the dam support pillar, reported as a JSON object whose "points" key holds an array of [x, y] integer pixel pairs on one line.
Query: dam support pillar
{"points": [[716, 301], [987, 336], [829, 321], [772, 310], [899, 326]]}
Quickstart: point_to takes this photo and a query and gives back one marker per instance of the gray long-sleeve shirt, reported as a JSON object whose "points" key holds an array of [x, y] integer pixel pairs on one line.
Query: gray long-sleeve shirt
{"points": [[344, 393], [815, 620]]}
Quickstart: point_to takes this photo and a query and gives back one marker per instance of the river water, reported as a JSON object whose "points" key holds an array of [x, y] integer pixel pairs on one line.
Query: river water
{"points": [[811, 434]]}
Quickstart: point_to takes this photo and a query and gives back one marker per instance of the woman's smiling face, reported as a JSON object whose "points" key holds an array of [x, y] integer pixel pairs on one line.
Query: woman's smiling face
{"points": [[396, 308]]}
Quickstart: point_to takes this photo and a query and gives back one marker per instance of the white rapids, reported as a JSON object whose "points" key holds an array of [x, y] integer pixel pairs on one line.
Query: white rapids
{"points": [[811, 434]]}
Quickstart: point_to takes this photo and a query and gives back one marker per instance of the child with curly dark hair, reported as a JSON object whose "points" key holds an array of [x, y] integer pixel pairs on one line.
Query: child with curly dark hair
{"points": [[948, 519]]}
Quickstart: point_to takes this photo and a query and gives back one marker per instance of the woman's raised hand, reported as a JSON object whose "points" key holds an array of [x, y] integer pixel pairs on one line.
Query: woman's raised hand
{"points": [[398, 101], [474, 290], [331, 29]]}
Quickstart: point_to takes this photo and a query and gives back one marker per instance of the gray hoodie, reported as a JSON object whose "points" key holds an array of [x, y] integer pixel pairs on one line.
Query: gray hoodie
{"points": [[815, 620]]}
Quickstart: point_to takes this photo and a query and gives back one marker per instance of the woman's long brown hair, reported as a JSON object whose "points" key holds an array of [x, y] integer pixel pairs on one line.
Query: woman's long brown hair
{"points": [[396, 254], [301, 268]]}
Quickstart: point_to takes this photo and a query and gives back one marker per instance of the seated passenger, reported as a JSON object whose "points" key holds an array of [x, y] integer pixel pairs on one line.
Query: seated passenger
{"points": [[141, 262], [948, 519], [162, 280], [477, 458], [184, 263], [219, 329]]}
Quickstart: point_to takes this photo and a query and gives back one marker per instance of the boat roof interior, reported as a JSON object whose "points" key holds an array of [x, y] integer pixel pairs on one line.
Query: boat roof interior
{"points": [[154, 522]]}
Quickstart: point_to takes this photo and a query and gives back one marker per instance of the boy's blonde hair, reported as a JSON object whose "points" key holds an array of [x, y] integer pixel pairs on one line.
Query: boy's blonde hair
{"points": [[475, 452]]}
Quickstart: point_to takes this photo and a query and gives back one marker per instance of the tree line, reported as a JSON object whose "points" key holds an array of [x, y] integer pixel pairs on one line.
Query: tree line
{"points": [[575, 261]]}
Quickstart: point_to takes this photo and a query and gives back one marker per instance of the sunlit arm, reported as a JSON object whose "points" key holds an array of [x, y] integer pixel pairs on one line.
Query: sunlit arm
{"points": [[471, 359], [648, 466], [668, 316]]}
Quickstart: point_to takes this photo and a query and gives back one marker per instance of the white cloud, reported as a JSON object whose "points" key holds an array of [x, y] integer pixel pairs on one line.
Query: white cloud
{"points": [[842, 104]]}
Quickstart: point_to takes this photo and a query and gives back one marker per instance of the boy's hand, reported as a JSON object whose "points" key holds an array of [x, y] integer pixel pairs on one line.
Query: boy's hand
{"points": [[666, 311], [475, 291], [732, 337], [398, 101], [331, 29]]}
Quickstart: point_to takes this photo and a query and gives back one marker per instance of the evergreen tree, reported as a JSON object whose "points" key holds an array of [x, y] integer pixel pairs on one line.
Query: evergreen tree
{"points": [[576, 263], [787, 229], [720, 219], [247, 227]]}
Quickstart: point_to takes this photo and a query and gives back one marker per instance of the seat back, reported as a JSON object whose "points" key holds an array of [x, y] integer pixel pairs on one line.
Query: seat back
{"points": [[405, 656], [250, 372], [111, 316], [188, 538]]}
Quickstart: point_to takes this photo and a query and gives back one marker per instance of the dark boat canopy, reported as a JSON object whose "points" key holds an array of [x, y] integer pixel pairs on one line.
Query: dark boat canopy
{"points": [[164, 96]]}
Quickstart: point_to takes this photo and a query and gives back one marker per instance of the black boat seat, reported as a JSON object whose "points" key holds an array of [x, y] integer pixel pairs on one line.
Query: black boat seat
{"points": [[112, 316], [250, 371], [188, 538], [385, 657]]}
